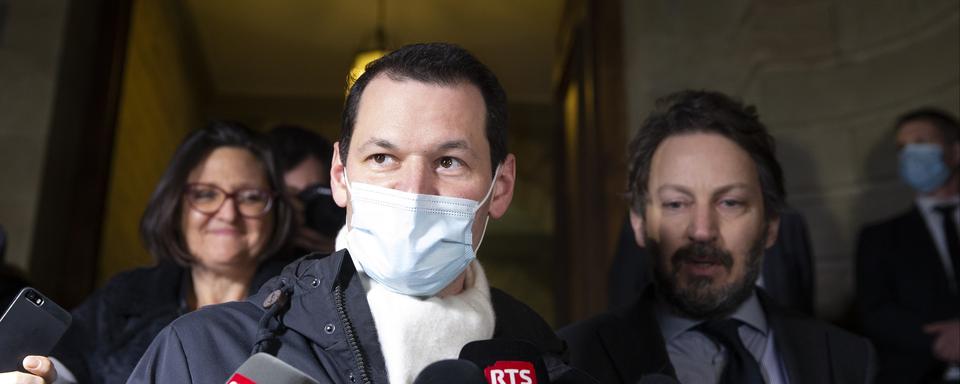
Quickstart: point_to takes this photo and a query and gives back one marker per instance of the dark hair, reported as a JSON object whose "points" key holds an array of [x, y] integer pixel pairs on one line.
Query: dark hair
{"points": [[292, 145], [435, 63], [709, 112], [946, 123], [160, 227]]}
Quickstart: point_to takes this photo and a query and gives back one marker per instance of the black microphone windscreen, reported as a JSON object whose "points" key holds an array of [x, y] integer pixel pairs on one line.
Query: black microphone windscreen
{"points": [[505, 361], [263, 368], [657, 378], [450, 371]]}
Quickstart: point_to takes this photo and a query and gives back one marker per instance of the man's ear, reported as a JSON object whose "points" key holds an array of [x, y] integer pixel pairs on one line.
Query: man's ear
{"points": [[502, 193], [773, 229], [636, 221], [338, 185]]}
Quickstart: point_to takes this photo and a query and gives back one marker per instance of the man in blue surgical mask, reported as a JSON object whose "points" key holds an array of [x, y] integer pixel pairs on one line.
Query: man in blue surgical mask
{"points": [[421, 167], [908, 267]]}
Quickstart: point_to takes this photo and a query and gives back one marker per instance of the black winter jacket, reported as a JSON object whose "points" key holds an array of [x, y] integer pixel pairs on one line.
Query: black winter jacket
{"points": [[114, 326], [326, 330]]}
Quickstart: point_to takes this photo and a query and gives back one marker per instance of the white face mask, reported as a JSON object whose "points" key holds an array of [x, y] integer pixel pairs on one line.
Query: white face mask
{"points": [[410, 243]]}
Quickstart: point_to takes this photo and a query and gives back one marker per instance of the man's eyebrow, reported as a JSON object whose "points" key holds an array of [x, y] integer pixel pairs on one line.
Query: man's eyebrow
{"points": [[686, 191], [731, 187], [674, 187], [377, 142], [454, 144]]}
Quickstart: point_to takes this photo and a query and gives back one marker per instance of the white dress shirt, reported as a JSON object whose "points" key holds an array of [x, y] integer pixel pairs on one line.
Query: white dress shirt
{"points": [[698, 359]]}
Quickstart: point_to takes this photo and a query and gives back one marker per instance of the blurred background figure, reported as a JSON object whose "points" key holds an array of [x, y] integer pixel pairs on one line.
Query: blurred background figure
{"points": [[787, 274], [304, 158], [908, 266], [214, 220]]}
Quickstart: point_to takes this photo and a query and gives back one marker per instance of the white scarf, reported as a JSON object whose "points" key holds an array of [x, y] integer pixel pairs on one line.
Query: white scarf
{"points": [[415, 332]]}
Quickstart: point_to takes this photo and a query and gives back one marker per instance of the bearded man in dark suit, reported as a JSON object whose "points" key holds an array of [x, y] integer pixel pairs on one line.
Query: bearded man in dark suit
{"points": [[706, 192]]}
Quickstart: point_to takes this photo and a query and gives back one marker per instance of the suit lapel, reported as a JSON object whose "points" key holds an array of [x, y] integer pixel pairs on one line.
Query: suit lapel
{"points": [[915, 233], [634, 344], [802, 349]]}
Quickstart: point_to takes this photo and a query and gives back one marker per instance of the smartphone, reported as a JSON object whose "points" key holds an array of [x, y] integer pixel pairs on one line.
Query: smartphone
{"points": [[31, 325]]}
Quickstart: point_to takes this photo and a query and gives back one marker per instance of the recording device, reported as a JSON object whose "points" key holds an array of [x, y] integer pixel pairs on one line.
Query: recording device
{"points": [[506, 361], [264, 368], [31, 325], [450, 371], [321, 212]]}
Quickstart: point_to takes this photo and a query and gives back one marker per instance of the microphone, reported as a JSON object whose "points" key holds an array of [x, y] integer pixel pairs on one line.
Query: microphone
{"points": [[657, 378], [506, 361], [264, 368], [450, 371]]}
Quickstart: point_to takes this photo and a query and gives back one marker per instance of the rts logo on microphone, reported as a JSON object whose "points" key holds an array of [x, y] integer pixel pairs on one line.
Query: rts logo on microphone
{"points": [[240, 379], [511, 372]]}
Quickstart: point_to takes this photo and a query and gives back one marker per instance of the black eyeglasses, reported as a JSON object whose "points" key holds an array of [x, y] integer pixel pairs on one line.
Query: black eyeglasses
{"points": [[208, 198]]}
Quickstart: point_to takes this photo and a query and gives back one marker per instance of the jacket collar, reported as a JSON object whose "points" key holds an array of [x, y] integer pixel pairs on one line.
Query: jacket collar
{"points": [[801, 346], [314, 280], [750, 312], [313, 311], [636, 329]]}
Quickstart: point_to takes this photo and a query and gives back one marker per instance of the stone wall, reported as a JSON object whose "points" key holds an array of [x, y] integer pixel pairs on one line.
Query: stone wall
{"points": [[828, 77]]}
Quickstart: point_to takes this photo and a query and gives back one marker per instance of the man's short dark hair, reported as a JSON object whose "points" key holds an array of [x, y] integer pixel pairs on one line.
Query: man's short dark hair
{"points": [[292, 144], [435, 63], [691, 111], [944, 121], [161, 226]]}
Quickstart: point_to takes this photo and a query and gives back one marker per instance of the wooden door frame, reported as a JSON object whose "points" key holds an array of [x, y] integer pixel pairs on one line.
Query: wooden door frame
{"points": [[592, 174], [67, 232]]}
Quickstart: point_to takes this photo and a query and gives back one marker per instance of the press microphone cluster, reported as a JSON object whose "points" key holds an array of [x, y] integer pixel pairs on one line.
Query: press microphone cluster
{"points": [[263, 368], [450, 371], [496, 361], [504, 361]]}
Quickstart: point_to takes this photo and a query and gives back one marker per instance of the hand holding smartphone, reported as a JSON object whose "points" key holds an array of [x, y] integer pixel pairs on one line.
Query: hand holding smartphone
{"points": [[31, 325]]}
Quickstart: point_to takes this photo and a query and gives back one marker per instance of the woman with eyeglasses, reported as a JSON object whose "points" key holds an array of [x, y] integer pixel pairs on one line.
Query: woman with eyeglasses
{"points": [[214, 221]]}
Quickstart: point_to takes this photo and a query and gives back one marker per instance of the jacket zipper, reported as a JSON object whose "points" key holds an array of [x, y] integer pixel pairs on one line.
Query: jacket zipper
{"points": [[351, 335]]}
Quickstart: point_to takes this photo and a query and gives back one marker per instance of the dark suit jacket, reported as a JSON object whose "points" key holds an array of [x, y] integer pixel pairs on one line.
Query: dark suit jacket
{"points": [[624, 345], [902, 285], [787, 267]]}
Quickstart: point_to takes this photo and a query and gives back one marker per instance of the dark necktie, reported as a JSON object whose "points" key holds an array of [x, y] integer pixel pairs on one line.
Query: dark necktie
{"points": [[950, 232], [741, 367]]}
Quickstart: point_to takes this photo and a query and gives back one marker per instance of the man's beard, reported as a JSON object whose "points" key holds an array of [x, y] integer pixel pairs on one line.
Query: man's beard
{"points": [[698, 299]]}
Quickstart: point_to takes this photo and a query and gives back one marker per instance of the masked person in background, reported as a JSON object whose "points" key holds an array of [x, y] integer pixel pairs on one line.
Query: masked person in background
{"points": [[908, 267], [421, 166], [304, 158]]}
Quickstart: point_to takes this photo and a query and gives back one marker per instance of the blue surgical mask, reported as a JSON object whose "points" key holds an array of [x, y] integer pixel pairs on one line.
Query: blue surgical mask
{"points": [[410, 243], [922, 167]]}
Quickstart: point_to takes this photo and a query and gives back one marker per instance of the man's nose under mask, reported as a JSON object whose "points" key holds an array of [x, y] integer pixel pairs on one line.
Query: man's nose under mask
{"points": [[922, 167]]}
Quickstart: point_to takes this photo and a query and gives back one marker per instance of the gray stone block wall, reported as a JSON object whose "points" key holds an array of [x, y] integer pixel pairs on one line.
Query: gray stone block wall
{"points": [[828, 78]]}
